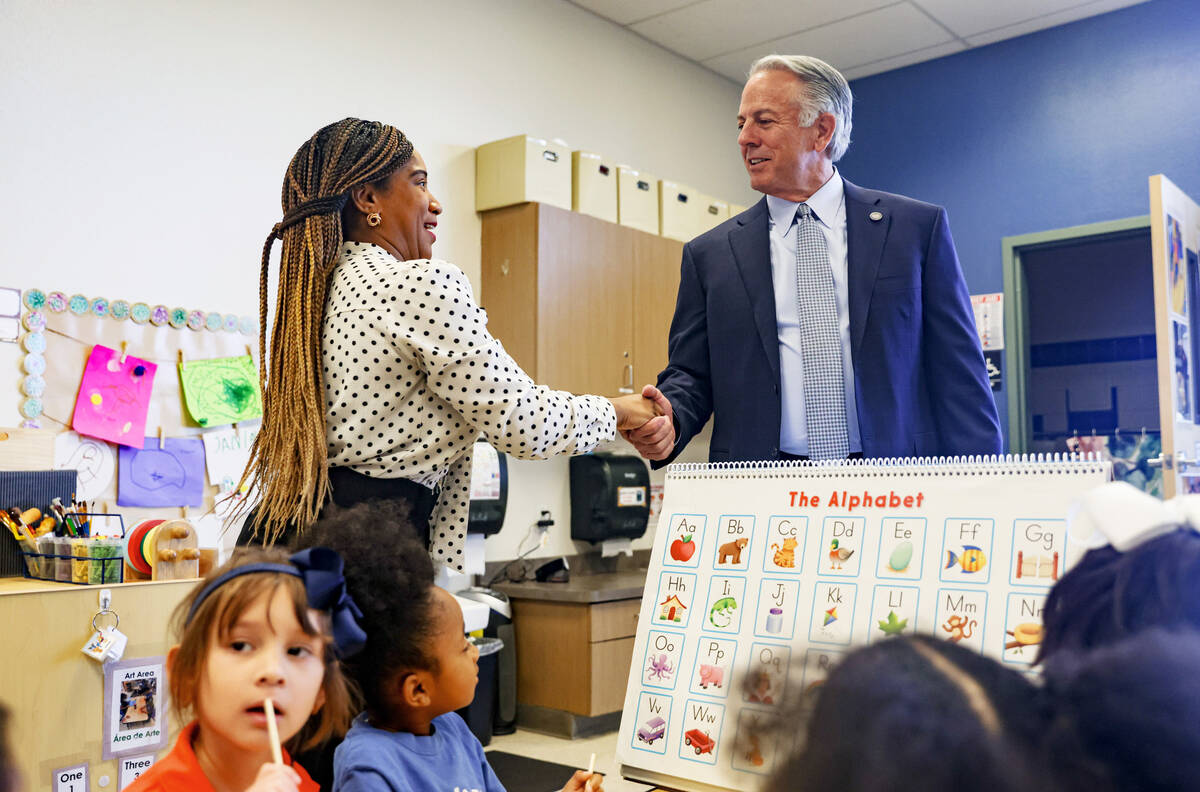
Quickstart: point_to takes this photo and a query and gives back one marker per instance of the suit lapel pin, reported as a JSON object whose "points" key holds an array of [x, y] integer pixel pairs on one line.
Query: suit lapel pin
{"points": [[875, 216]]}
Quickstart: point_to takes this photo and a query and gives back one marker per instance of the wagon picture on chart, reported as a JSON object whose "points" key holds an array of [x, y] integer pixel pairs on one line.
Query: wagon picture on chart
{"points": [[699, 741]]}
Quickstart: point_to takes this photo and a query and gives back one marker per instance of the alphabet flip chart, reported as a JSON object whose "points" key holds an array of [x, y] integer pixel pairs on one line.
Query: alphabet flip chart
{"points": [[114, 396], [762, 577]]}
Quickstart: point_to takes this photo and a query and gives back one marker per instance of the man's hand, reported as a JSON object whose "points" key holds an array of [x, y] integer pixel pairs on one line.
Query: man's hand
{"points": [[654, 439]]}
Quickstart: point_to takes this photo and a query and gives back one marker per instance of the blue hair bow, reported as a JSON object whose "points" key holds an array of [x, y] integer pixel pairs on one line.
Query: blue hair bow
{"points": [[321, 571]]}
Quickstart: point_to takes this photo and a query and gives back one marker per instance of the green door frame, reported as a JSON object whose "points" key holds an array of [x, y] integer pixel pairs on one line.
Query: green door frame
{"points": [[1016, 308]]}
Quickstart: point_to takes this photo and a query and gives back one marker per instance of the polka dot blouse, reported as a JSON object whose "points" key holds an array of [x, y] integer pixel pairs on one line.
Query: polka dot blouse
{"points": [[412, 378]]}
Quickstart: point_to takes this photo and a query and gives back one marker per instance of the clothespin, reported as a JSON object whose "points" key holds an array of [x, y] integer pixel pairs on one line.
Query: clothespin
{"points": [[182, 362], [183, 511], [249, 352], [160, 434], [124, 345]]}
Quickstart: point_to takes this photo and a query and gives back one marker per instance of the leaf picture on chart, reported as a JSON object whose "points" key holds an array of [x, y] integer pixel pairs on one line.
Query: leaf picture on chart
{"points": [[221, 390], [114, 397], [169, 476]]}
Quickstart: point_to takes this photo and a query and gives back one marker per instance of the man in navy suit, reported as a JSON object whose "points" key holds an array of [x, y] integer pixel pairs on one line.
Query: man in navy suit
{"points": [[828, 320]]}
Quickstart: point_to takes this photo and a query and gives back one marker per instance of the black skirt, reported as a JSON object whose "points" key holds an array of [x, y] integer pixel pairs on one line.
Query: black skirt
{"points": [[349, 488]]}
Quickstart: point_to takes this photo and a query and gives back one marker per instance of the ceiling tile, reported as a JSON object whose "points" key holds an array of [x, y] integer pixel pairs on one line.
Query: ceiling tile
{"points": [[714, 27], [624, 12], [1049, 21], [863, 39], [970, 18], [907, 59]]}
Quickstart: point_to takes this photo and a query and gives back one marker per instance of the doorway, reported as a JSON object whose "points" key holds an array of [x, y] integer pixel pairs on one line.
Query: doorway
{"points": [[1080, 327]]}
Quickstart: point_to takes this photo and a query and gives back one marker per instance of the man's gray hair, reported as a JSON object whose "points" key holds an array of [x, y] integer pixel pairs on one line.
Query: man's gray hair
{"points": [[827, 92]]}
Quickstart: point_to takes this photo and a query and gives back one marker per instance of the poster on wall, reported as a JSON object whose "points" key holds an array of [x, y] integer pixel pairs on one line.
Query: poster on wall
{"points": [[135, 707], [1176, 277], [1183, 372]]}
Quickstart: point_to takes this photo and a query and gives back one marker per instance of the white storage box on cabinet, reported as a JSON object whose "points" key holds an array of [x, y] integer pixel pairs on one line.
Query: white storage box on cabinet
{"points": [[637, 199], [678, 211], [712, 213], [594, 186], [520, 169]]}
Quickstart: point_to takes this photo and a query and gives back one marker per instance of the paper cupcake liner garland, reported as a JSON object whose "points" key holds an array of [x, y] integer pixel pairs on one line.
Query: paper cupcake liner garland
{"points": [[39, 303]]}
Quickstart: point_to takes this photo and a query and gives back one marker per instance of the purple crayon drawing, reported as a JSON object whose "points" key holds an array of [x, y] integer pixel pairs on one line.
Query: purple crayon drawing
{"points": [[170, 476]]}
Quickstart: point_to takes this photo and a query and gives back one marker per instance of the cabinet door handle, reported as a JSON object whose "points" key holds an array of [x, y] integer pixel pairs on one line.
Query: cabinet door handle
{"points": [[628, 386]]}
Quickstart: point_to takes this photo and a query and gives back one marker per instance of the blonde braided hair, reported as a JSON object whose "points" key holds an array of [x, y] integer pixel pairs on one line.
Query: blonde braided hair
{"points": [[288, 460]]}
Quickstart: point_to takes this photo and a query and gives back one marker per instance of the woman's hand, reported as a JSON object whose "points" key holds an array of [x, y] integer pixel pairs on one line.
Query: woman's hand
{"points": [[633, 411], [276, 778], [583, 781]]}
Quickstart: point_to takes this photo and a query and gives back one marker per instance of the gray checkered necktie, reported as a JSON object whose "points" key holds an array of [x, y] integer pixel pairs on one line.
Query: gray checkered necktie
{"points": [[820, 342]]}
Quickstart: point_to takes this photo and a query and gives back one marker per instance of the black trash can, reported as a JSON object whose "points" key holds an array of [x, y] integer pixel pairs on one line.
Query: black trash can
{"points": [[478, 714], [500, 626]]}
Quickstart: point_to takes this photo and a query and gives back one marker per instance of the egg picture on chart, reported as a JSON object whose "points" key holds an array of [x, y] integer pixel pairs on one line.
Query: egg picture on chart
{"points": [[901, 557]]}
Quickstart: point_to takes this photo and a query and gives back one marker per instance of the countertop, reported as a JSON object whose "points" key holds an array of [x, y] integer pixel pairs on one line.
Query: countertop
{"points": [[584, 588]]}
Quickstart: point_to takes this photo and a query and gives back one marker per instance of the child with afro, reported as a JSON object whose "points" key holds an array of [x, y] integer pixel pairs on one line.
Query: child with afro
{"points": [[417, 668]]}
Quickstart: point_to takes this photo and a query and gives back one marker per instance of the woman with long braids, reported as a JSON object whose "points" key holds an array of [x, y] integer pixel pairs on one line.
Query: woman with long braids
{"points": [[381, 371]]}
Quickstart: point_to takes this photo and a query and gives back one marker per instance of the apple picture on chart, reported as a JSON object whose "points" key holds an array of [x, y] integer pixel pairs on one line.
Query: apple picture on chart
{"points": [[683, 548]]}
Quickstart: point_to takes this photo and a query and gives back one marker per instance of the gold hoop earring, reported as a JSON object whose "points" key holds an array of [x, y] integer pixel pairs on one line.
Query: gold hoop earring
{"points": [[373, 219]]}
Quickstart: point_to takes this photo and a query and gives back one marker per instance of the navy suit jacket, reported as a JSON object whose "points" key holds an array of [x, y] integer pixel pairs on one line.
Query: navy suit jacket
{"points": [[919, 375]]}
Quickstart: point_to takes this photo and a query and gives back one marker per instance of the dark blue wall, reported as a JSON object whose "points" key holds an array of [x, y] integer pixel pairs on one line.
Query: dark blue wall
{"points": [[1053, 129]]}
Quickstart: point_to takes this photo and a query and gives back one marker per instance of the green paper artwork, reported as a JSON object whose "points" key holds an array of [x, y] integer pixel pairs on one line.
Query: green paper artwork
{"points": [[221, 390]]}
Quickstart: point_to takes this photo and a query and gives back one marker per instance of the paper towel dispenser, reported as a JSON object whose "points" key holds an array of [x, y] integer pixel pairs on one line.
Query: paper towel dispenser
{"points": [[489, 490], [610, 497]]}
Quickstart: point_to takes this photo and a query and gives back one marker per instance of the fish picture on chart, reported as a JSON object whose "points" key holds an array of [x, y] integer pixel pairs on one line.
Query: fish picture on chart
{"points": [[967, 550], [969, 559]]}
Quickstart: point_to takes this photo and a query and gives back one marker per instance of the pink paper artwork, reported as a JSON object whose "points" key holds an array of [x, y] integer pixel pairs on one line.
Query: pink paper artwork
{"points": [[114, 397]]}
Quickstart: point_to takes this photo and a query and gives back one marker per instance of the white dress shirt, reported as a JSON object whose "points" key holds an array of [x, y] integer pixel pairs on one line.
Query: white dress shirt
{"points": [[412, 377], [828, 205]]}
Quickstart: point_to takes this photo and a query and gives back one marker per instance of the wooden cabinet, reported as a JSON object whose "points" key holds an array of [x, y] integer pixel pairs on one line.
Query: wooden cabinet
{"points": [[583, 305], [574, 656]]}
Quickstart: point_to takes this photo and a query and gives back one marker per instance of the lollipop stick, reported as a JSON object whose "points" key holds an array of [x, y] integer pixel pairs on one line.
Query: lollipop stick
{"points": [[273, 731]]}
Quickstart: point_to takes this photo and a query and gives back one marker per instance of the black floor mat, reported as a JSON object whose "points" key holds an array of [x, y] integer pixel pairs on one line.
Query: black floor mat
{"points": [[522, 774]]}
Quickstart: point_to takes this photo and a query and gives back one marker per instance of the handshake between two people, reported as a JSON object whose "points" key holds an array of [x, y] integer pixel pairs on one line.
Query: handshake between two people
{"points": [[647, 422]]}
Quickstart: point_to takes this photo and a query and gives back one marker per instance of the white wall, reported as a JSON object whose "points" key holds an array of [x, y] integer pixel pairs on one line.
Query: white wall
{"points": [[144, 142]]}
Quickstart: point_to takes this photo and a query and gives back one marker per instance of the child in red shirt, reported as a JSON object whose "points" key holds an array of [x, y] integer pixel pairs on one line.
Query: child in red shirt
{"points": [[262, 627]]}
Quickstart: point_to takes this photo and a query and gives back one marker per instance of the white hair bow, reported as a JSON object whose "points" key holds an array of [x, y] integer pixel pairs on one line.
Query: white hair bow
{"points": [[1123, 516]]}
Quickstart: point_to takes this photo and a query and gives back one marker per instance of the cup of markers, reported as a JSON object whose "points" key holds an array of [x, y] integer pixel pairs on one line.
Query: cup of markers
{"points": [[72, 545]]}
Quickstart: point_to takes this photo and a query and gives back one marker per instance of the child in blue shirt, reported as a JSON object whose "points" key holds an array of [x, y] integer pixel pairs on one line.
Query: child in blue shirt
{"points": [[417, 667]]}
